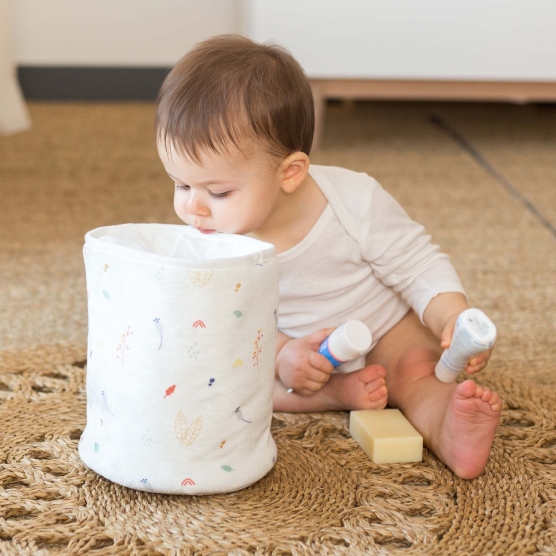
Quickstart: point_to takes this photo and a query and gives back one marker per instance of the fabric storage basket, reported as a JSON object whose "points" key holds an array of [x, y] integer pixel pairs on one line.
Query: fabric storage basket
{"points": [[181, 354]]}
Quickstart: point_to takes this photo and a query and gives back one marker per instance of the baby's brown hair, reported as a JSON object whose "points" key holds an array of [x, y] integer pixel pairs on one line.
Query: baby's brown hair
{"points": [[229, 89]]}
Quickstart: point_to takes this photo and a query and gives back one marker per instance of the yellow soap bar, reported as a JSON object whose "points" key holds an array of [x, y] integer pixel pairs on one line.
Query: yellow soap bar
{"points": [[386, 436]]}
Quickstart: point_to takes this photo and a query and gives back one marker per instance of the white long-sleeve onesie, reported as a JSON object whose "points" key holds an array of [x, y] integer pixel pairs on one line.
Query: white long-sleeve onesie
{"points": [[364, 259]]}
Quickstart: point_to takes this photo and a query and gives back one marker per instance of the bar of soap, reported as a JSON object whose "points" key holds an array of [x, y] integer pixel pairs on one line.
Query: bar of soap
{"points": [[386, 436]]}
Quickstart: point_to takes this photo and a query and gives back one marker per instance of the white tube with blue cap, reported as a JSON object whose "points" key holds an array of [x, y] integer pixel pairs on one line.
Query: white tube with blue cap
{"points": [[347, 342]]}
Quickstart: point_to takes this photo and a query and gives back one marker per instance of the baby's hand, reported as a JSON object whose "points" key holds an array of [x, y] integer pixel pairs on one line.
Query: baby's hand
{"points": [[478, 362], [300, 366]]}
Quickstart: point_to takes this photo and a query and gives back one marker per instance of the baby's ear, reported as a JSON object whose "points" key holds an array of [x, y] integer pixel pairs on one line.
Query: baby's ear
{"points": [[294, 170]]}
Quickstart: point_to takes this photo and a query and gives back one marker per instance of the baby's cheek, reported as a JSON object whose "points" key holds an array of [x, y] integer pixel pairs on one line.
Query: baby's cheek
{"points": [[180, 210], [235, 220], [177, 206]]}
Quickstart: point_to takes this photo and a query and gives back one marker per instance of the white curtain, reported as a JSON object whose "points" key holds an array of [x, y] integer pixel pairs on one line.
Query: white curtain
{"points": [[13, 113]]}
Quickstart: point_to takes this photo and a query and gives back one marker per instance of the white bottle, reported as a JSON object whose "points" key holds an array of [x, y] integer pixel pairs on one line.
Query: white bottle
{"points": [[347, 342], [473, 334]]}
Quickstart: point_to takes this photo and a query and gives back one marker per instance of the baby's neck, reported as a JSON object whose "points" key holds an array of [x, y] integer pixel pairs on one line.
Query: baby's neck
{"points": [[294, 217]]}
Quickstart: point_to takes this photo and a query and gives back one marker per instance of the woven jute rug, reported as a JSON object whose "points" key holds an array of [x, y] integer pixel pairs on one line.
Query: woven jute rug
{"points": [[86, 165], [324, 496]]}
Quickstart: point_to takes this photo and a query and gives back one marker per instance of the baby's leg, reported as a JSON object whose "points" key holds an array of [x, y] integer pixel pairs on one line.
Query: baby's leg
{"points": [[457, 422], [362, 389]]}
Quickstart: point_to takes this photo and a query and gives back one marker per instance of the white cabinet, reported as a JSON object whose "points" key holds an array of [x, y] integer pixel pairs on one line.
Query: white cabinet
{"points": [[414, 39], [416, 49]]}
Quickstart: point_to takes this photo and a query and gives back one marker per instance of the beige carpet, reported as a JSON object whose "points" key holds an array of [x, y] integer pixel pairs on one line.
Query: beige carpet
{"points": [[88, 165]]}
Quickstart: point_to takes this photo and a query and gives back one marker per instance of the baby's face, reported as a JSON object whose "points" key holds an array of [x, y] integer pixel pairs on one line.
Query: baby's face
{"points": [[225, 193]]}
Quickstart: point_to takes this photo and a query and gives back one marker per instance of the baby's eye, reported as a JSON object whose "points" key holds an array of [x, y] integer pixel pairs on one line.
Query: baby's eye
{"points": [[219, 195], [181, 187]]}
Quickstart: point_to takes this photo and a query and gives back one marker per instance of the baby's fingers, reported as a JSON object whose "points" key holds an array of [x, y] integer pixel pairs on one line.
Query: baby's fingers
{"points": [[479, 362], [476, 368], [319, 377], [309, 388], [320, 362]]}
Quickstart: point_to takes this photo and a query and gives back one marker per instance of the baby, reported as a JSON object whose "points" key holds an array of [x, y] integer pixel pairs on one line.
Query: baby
{"points": [[234, 128]]}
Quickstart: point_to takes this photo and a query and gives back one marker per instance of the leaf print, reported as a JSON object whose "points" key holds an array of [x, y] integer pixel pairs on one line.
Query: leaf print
{"points": [[123, 346], [193, 431], [258, 349], [170, 391], [180, 427], [187, 435], [200, 278]]}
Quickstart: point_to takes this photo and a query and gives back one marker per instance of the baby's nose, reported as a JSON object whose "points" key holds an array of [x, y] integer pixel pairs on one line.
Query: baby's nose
{"points": [[195, 206]]}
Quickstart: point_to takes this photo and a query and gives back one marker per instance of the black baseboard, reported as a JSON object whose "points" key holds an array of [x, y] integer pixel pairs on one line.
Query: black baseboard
{"points": [[90, 83]]}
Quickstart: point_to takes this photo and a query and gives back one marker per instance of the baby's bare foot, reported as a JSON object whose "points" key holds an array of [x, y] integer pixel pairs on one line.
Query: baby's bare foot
{"points": [[467, 432], [362, 389]]}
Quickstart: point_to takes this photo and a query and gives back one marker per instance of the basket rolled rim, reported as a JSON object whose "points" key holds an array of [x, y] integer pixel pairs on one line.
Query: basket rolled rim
{"points": [[252, 251]]}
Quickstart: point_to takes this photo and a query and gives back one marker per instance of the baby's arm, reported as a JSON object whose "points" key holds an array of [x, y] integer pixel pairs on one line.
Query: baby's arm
{"points": [[441, 315], [299, 365]]}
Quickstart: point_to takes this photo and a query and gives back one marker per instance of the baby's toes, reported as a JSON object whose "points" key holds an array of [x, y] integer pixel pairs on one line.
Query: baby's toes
{"points": [[379, 403], [479, 391], [373, 385], [495, 402], [487, 395], [379, 393], [372, 373]]}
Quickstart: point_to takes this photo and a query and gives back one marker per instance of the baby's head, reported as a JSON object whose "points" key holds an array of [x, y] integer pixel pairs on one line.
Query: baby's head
{"points": [[234, 128]]}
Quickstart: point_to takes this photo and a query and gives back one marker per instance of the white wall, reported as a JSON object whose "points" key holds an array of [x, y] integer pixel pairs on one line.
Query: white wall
{"points": [[116, 32], [427, 39], [421, 39]]}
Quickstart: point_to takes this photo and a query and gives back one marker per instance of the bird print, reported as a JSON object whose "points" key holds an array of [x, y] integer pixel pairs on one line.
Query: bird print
{"points": [[239, 415], [106, 403], [159, 329]]}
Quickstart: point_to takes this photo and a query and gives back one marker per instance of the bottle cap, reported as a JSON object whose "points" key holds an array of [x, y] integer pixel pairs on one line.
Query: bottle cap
{"points": [[479, 325], [443, 375], [350, 340]]}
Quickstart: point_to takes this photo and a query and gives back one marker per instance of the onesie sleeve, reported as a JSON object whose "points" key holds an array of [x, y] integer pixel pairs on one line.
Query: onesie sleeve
{"points": [[401, 253]]}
